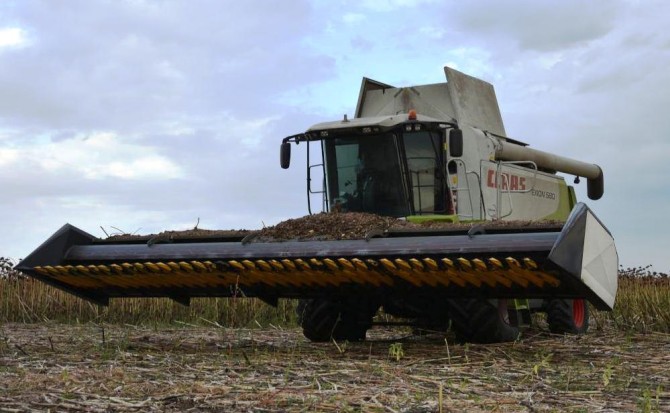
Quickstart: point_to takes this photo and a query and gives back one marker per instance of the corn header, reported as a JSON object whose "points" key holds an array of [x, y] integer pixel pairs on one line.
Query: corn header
{"points": [[430, 153]]}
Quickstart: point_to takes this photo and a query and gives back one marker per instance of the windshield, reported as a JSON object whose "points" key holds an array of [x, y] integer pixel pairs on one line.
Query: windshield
{"points": [[364, 175]]}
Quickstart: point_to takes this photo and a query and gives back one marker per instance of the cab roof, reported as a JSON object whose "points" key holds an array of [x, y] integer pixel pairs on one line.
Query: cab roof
{"points": [[383, 122]]}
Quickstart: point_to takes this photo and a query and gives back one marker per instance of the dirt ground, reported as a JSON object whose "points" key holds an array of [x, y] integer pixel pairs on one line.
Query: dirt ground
{"points": [[54, 367]]}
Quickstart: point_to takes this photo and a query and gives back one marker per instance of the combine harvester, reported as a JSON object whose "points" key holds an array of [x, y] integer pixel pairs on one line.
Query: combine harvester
{"points": [[434, 153]]}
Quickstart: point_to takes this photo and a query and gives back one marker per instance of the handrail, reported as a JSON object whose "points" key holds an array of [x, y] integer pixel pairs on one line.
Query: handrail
{"points": [[460, 188], [505, 183]]}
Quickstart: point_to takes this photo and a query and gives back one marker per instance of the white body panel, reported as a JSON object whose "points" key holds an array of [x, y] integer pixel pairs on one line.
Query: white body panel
{"points": [[600, 261], [515, 193]]}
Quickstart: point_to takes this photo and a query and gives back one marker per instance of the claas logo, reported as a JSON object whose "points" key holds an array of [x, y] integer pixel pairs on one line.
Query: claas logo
{"points": [[508, 181]]}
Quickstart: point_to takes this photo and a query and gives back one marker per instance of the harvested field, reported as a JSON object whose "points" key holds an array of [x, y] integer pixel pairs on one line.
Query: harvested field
{"points": [[173, 358], [101, 368]]}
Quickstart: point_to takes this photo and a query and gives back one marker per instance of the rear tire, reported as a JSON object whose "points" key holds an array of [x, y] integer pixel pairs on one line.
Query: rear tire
{"points": [[478, 321], [324, 320], [568, 316]]}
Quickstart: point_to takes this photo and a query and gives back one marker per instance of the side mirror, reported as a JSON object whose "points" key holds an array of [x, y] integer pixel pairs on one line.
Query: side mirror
{"points": [[285, 155], [456, 143]]}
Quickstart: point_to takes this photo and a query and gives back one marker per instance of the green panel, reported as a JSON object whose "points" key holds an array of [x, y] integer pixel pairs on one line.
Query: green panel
{"points": [[419, 219], [566, 201], [573, 196]]}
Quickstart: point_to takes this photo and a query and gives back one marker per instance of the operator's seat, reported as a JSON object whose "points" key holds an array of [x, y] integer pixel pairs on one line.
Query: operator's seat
{"points": [[378, 193]]}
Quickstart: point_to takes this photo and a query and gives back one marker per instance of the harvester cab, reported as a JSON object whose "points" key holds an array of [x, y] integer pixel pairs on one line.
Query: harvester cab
{"points": [[496, 229]]}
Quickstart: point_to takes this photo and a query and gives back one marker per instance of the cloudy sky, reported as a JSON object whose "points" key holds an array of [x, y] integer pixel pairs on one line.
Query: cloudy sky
{"points": [[143, 116]]}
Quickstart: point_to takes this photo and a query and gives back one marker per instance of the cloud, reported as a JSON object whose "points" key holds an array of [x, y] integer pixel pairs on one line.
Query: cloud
{"points": [[539, 26], [92, 157], [144, 114], [8, 156], [120, 64], [391, 5], [353, 18], [432, 32], [12, 37]]}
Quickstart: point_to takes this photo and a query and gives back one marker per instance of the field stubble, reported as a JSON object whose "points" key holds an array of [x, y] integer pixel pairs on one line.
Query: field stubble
{"points": [[59, 353], [103, 368]]}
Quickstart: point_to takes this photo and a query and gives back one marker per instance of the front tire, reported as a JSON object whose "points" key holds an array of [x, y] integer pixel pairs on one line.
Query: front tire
{"points": [[324, 320], [479, 321], [568, 316]]}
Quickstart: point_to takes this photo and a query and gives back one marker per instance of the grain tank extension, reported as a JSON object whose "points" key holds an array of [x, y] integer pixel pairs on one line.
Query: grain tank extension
{"points": [[430, 153]]}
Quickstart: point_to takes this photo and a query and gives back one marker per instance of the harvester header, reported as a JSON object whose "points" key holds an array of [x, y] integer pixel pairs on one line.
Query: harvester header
{"points": [[538, 264]]}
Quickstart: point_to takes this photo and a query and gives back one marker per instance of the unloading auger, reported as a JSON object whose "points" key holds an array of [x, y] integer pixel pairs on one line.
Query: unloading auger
{"points": [[431, 153]]}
